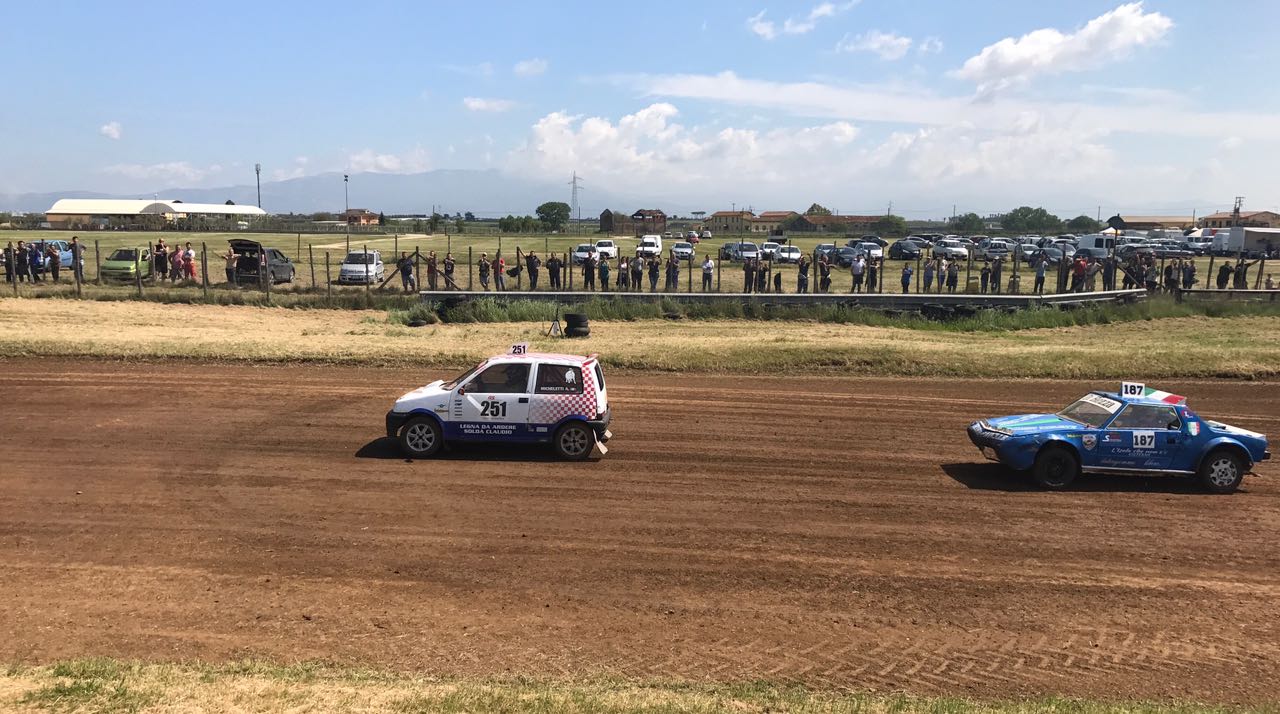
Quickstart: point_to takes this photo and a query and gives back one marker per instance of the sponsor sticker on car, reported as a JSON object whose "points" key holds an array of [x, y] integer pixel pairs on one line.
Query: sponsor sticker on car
{"points": [[1111, 405]]}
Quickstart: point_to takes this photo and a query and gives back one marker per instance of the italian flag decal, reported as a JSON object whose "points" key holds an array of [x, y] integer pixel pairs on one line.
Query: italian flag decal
{"points": [[1150, 393]]}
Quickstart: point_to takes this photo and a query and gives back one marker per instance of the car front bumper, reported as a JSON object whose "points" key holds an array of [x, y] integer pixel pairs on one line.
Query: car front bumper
{"points": [[396, 420], [988, 442]]}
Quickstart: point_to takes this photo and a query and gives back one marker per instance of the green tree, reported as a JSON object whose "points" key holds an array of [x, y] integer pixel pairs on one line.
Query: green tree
{"points": [[553, 214], [1026, 219], [433, 223], [966, 223], [382, 218], [792, 223], [817, 210], [890, 226], [469, 216], [1083, 224], [460, 226]]}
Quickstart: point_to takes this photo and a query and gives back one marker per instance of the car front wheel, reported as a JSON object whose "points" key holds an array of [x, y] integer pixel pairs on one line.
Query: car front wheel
{"points": [[1222, 472], [574, 440], [421, 438], [1055, 468]]}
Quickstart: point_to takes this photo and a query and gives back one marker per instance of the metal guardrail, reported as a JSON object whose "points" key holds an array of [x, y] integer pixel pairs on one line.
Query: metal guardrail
{"points": [[916, 302], [1227, 294]]}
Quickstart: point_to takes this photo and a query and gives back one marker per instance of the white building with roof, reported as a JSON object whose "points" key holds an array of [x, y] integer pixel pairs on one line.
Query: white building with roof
{"points": [[88, 212]]}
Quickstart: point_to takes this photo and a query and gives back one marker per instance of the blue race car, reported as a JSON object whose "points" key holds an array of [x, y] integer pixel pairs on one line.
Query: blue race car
{"points": [[1138, 431]]}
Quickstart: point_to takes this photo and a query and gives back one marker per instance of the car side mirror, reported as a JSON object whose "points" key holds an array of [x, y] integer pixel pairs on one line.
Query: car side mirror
{"points": [[462, 391]]}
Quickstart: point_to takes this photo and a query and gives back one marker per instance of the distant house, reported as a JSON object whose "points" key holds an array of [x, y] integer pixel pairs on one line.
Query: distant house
{"points": [[646, 220], [769, 222], [730, 222], [361, 217], [1248, 219], [1151, 223], [835, 224]]}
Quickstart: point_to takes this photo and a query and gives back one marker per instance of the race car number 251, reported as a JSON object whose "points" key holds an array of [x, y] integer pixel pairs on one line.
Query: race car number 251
{"points": [[495, 409]]}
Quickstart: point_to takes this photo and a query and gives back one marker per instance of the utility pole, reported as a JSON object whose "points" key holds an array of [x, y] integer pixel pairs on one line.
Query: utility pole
{"points": [[1099, 214], [1235, 211], [346, 212], [890, 212], [575, 209], [257, 171]]}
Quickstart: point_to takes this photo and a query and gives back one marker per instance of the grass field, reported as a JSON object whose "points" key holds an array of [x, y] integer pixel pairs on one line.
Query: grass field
{"points": [[1184, 347], [308, 252], [111, 686]]}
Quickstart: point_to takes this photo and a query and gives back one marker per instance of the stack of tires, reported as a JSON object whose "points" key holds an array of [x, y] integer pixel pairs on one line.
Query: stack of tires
{"points": [[576, 325]]}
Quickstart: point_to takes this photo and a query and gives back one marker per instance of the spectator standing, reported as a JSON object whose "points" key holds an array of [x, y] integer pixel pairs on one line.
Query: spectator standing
{"points": [[433, 272], [55, 261], [161, 260], [499, 273], [229, 260], [928, 274], [603, 269], [77, 258], [532, 263], [1271, 283], [824, 274], [984, 276], [176, 268], [1109, 273], [762, 276], [589, 272], [802, 275], [21, 264], [9, 273], [708, 268], [997, 267], [553, 270], [673, 273], [637, 273], [953, 276], [858, 269], [405, 267], [1172, 270], [748, 275], [35, 259], [1224, 275], [449, 266], [624, 274], [655, 267], [874, 266], [1242, 273], [189, 264], [1188, 274], [1078, 268], [777, 282], [1042, 266], [906, 278], [1091, 275], [484, 266]]}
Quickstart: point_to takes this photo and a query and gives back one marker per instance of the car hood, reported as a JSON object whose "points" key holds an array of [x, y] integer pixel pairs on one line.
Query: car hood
{"points": [[1032, 423], [429, 397], [121, 264], [1235, 430]]}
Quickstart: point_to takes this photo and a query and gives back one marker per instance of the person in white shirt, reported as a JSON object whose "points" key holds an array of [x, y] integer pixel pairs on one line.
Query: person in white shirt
{"points": [[708, 267]]}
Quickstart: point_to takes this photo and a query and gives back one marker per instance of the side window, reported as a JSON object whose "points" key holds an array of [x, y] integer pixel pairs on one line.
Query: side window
{"points": [[510, 378], [1146, 416], [599, 377], [559, 379]]}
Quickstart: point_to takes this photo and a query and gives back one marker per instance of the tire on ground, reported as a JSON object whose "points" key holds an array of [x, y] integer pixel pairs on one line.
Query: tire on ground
{"points": [[574, 441], [1055, 467], [421, 437], [1221, 471]]}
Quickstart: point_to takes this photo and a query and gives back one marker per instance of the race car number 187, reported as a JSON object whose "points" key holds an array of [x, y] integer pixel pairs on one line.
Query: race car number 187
{"points": [[1144, 440]]}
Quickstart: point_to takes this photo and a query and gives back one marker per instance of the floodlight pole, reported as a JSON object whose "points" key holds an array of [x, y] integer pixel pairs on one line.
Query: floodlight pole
{"points": [[257, 171], [346, 213]]}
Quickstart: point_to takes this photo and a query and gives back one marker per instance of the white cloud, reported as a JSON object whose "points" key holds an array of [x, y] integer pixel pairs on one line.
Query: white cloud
{"points": [[298, 170], [887, 45], [1109, 37], [165, 171], [111, 130], [479, 104], [929, 46], [415, 160], [530, 67], [1231, 143], [797, 24]]}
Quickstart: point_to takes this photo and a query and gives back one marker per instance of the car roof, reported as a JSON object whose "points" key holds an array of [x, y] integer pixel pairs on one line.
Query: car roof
{"points": [[546, 357]]}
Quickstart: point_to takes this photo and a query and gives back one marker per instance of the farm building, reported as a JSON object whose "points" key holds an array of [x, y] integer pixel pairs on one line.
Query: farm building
{"points": [[1249, 219], [1150, 223], [83, 213], [646, 220], [834, 224], [769, 222]]}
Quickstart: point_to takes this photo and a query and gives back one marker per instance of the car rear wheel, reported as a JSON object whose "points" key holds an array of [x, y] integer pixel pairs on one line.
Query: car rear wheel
{"points": [[1221, 472], [574, 440], [1055, 468], [421, 438]]}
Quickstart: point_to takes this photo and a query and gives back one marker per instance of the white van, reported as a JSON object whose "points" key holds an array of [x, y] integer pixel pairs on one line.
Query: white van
{"points": [[1097, 240], [650, 245]]}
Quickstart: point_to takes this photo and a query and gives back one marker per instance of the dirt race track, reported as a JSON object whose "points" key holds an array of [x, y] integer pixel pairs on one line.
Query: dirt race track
{"points": [[835, 531]]}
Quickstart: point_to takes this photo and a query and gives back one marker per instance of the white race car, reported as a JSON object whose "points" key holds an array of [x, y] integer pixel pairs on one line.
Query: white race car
{"points": [[521, 397]]}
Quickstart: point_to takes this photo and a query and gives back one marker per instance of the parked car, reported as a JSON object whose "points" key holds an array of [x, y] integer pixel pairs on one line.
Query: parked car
{"points": [[581, 252], [869, 249], [1129, 250], [706, 235], [682, 250], [906, 249], [871, 238], [692, 237], [825, 249], [667, 235], [1091, 253], [606, 249], [769, 251], [249, 266], [729, 251], [788, 254], [748, 251], [843, 257], [993, 248], [650, 245], [950, 248], [125, 263], [1195, 247], [359, 268], [1051, 254]]}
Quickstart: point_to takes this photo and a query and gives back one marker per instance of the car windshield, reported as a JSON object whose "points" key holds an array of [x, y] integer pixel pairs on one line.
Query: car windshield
{"points": [[123, 254], [360, 258], [1092, 410], [453, 383], [584, 248], [683, 246]]}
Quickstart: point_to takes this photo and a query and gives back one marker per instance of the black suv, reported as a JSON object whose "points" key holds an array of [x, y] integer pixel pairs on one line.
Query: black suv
{"points": [[249, 265]]}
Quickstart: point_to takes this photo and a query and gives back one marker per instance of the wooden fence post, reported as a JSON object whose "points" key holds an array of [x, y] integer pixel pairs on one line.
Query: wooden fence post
{"points": [[75, 270], [470, 265], [137, 269], [368, 283], [97, 263], [204, 268], [519, 273], [298, 252], [328, 280], [395, 249], [311, 262]]}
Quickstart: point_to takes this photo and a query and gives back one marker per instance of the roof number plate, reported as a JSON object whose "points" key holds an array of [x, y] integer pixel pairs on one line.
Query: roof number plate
{"points": [[1132, 389]]}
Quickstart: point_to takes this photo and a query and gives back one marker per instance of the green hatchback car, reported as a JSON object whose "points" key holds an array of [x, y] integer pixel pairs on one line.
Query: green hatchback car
{"points": [[123, 262]]}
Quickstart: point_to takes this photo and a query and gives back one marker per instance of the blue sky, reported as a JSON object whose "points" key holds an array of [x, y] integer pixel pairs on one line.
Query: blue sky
{"points": [[1162, 106]]}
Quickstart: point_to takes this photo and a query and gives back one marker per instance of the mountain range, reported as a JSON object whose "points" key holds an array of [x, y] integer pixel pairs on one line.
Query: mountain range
{"points": [[486, 193]]}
